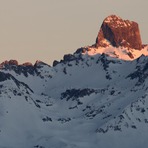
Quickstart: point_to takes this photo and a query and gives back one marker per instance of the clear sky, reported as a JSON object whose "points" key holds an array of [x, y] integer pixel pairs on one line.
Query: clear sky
{"points": [[45, 30]]}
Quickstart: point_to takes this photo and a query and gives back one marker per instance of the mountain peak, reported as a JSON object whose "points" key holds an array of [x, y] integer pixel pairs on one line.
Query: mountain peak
{"points": [[112, 18], [39, 63], [14, 63], [120, 33], [10, 62], [117, 38]]}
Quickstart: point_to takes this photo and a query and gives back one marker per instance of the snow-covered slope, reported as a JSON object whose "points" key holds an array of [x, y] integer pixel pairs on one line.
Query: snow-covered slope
{"points": [[123, 53], [94, 98], [84, 101]]}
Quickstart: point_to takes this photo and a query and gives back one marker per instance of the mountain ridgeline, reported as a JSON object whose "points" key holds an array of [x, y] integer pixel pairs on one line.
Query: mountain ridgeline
{"points": [[94, 97]]}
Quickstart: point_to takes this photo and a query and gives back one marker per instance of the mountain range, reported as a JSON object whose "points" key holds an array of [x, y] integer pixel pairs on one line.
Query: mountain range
{"points": [[95, 97]]}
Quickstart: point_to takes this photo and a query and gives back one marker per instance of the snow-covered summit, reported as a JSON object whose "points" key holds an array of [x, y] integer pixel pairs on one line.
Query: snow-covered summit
{"points": [[117, 38]]}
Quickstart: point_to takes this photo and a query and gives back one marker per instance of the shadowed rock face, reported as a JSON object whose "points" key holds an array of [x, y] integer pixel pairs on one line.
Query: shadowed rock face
{"points": [[119, 32]]}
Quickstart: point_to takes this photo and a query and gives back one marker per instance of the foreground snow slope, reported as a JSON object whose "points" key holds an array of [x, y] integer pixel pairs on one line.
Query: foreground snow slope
{"points": [[84, 101]]}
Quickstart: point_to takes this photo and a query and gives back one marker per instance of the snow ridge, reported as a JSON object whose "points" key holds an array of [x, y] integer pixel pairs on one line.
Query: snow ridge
{"points": [[83, 101]]}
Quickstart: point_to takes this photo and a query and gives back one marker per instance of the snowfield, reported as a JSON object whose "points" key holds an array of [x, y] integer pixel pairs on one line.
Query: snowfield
{"points": [[84, 101]]}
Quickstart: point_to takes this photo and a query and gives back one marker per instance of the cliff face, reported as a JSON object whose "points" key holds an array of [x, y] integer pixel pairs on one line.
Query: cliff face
{"points": [[119, 32]]}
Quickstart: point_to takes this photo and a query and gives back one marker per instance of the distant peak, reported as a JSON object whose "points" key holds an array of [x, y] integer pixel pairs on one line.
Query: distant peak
{"points": [[14, 63], [27, 64], [117, 38], [117, 22], [119, 33], [10, 62], [39, 63], [112, 18]]}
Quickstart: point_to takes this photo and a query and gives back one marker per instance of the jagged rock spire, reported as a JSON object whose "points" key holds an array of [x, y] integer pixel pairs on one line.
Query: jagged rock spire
{"points": [[119, 32]]}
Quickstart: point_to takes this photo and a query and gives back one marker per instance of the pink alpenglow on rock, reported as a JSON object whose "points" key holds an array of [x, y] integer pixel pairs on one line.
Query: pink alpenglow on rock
{"points": [[119, 32]]}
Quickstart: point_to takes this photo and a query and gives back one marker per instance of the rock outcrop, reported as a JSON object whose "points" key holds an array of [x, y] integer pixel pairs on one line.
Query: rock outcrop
{"points": [[119, 32], [11, 62]]}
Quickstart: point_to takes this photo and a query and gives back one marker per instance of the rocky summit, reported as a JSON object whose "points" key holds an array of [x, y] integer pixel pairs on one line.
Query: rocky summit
{"points": [[119, 32], [117, 38]]}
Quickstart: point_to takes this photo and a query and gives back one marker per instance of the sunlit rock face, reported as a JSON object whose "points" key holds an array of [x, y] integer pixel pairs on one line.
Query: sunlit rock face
{"points": [[119, 32], [117, 38]]}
